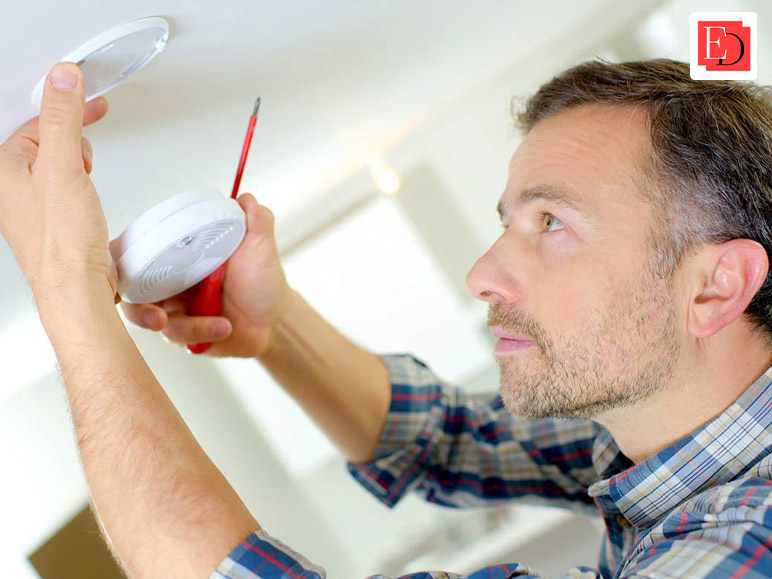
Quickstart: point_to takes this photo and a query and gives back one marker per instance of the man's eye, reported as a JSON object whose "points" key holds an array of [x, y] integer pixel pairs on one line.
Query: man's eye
{"points": [[552, 223]]}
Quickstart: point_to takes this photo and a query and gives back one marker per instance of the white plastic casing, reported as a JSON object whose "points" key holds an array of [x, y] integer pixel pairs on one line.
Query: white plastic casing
{"points": [[176, 244], [114, 55]]}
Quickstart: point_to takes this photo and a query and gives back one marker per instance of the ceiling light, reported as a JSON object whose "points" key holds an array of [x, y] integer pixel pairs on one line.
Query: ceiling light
{"points": [[388, 182]]}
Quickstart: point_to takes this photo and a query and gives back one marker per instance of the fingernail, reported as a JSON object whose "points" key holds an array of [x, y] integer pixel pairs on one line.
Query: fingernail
{"points": [[221, 329], [63, 77], [149, 319]]}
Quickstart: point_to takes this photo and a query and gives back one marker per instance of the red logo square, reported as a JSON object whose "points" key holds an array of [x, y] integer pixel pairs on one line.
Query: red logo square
{"points": [[724, 45]]}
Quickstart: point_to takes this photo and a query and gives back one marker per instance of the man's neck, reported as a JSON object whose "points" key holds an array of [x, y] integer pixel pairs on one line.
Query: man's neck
{"points": [[708, 379]]}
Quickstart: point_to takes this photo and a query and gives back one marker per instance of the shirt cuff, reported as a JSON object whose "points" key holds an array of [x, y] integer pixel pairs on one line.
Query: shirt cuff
{"points": [[261, 556], [407, 440]]}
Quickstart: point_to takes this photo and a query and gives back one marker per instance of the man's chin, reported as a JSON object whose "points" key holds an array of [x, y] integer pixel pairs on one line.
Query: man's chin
{"points": [[520, 401], [532, 401], [532, 411]]}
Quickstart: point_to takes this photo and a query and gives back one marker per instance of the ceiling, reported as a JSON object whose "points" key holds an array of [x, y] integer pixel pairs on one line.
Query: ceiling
{"points": [[342, 83]]}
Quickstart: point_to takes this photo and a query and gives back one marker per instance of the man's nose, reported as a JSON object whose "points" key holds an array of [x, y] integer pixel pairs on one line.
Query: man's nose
{"points": [[490, 281]]}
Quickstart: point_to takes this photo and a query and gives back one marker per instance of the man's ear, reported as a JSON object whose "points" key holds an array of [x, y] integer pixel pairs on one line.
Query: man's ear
{"points": [[726, 277]]}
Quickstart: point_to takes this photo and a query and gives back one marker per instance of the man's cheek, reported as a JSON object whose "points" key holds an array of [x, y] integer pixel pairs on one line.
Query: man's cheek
{"points": [[566, 305]]}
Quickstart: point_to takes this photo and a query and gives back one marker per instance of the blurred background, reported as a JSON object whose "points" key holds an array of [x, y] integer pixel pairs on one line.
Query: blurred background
{"points": [[382, 147]]}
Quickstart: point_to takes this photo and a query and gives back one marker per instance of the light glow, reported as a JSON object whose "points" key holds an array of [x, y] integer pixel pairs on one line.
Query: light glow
{"points": [[388, 182]]}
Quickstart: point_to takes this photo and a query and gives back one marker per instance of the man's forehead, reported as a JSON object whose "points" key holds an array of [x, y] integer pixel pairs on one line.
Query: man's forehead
{"points": [[586, 153]]}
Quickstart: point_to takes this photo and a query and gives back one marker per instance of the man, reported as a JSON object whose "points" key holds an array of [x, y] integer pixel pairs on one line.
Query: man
{"points": [[629, 290]]}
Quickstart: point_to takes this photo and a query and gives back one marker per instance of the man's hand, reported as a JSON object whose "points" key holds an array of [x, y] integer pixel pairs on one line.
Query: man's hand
{"points": [[50, 213], [255, 294]]}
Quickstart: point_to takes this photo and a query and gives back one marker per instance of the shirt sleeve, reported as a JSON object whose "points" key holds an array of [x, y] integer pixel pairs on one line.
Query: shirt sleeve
{"points": [[261, 556], [458, 449]]}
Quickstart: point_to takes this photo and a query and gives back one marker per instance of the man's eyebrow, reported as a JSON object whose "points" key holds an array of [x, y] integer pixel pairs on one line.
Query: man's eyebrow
{"points": [[544, 193]]}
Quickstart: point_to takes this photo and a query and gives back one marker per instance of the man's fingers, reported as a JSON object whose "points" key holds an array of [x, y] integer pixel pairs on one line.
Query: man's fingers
{"points": [[61, 120], [260, 219], [174, 305], [145, 316], [169, 317], [95, 110], [196, 329]]}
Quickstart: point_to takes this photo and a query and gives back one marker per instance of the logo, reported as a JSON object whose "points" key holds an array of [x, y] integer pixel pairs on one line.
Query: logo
{"points": [[723, 46]]}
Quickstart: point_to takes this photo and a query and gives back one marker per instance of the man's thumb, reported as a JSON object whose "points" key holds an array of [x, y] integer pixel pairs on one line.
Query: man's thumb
{"points": [[259, 218], [61, 120]]}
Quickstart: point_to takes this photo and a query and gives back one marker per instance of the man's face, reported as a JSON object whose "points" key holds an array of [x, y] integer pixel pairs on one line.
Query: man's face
{"points": [[590, 327]]}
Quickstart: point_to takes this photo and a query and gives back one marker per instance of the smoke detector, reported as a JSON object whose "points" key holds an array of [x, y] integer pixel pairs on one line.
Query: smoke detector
{"points": [[176, 244], [114, 55]]}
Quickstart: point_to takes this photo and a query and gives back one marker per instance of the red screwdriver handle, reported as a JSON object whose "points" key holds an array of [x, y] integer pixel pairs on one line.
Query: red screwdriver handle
{"points": [[207, 298], [207, 301]]}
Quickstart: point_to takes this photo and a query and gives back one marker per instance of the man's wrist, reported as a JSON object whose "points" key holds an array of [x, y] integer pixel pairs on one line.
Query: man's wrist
{"points": [[286, 319], [67, 306]]}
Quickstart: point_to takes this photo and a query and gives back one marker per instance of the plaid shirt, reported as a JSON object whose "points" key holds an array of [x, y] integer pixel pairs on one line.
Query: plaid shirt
{"points": [[700, 508]]}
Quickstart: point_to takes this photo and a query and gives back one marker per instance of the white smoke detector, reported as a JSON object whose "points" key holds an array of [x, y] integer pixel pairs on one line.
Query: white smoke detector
{"points": [[176, 244], [114, 55]]}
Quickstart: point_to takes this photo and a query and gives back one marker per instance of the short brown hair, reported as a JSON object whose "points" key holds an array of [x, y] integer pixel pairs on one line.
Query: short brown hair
{"points": [[711, 165]]}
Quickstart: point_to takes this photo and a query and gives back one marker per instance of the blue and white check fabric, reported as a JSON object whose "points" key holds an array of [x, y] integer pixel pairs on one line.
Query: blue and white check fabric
{"points": [[699, 508]]}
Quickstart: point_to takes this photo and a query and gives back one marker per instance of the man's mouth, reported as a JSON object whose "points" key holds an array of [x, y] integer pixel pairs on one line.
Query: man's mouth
{"points": [[509, 341]]}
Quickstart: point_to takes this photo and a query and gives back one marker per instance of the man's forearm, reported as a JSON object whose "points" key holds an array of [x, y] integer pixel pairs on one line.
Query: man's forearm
{"points": [[167, 509], [344, 388]]}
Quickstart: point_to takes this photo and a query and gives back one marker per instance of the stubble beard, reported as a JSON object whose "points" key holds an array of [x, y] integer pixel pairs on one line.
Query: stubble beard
{"points": [[623, 356]]}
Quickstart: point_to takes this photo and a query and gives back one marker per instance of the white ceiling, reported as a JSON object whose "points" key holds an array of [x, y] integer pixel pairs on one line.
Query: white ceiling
{"points": [[341, 81]]}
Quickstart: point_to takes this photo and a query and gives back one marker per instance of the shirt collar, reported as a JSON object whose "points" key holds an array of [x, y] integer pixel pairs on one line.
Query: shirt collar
{"points": [[714, 454]]}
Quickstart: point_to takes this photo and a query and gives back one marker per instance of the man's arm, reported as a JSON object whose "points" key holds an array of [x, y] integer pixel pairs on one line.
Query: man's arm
{"points": [[463, 450], [165, 506], [344, 388]]}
